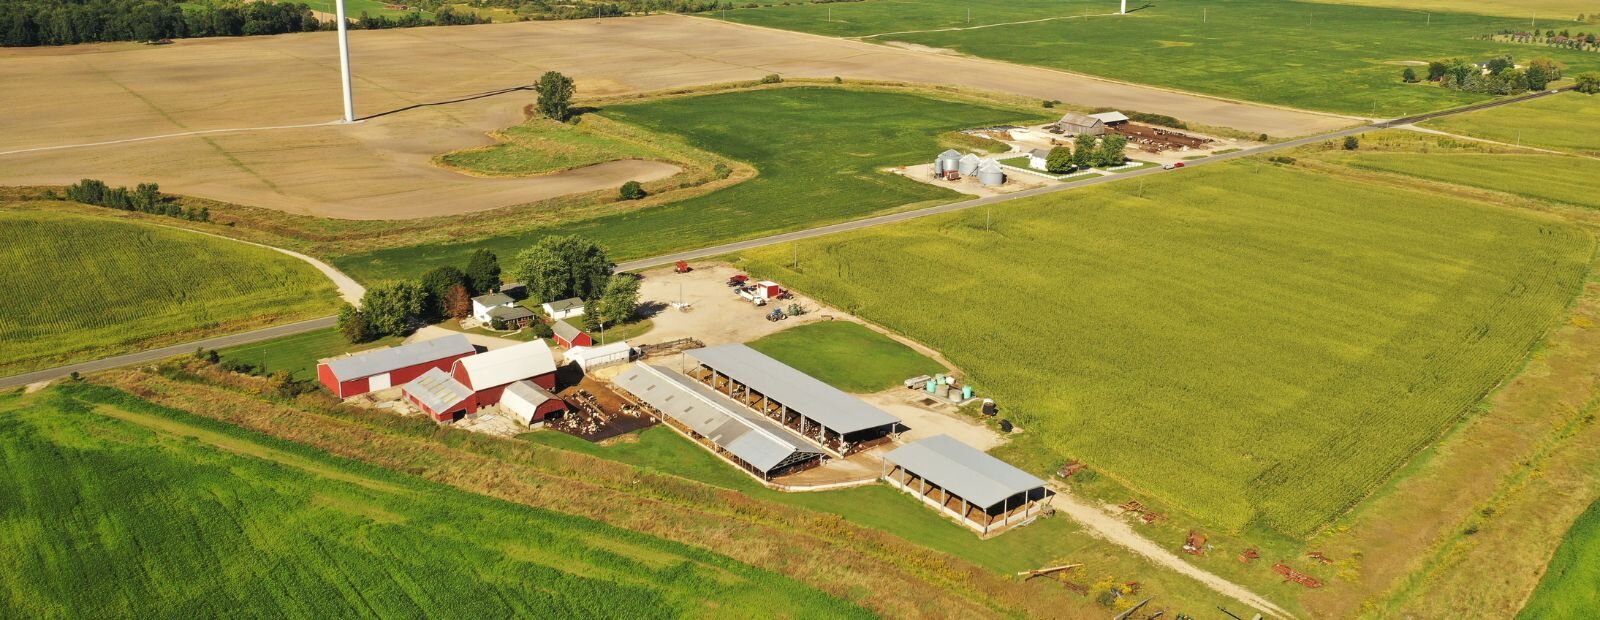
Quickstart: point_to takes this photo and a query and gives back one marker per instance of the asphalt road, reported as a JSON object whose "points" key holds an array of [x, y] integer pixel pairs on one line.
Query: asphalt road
{"points": [[152, 355], [737, 246]]}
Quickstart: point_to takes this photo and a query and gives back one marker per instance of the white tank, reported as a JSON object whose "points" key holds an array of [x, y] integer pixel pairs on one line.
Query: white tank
{"points": [[969, 164]]}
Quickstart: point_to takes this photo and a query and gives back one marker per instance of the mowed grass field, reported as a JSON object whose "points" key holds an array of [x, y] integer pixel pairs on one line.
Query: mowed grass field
{"points": [[80, 286], [1556, 178], [119, 508], [1568, 589], [1566, 122], [543, 146], [818, 151], [1314, 56], [846, 355], [1259, 347]]}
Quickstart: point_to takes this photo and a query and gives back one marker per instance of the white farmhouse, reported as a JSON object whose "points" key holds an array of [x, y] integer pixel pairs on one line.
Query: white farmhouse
{"points": [[482, 305], [1039, 159], [564, 309]]}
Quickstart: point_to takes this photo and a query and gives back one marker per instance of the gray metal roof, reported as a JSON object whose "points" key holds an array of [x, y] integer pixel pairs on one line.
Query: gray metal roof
{"points": [[437, 390], [1039, 152], [510, 313], [963, 470], [493, 299], [565, 330], [565, 304], [798, 391], [1075, 119], [755, 439], [380, 361]]}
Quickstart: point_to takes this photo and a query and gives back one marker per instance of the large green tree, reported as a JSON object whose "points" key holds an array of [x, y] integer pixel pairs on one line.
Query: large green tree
{"points": [[353, 324], [483, 272], [1083, 151], [436, 287], [1059, 161], [1111, 151], [555, 95], [619, 301], [1588, 83], [562, 267], [391, 308]]}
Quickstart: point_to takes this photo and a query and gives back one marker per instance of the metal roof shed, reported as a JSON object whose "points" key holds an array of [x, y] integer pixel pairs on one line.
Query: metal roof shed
{"points": [[438, 394], [823, 403], [762, 445], [959, 472], [590, 358], [499, 367], [394, 358]]}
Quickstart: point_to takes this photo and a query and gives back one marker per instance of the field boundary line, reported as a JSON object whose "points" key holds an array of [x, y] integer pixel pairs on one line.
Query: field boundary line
{"points": [[1086, 76], [959, 28], [181, 134], [1436, 132]]}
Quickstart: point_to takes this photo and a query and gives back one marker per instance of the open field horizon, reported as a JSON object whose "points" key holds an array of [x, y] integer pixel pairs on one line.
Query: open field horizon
{"points": [[381, 168]]}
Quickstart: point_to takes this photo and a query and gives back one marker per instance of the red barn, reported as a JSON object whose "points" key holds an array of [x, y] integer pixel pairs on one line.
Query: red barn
{"points": [[568, 336], [440, 396], [379, 369], [530, 403], [488, 374]]}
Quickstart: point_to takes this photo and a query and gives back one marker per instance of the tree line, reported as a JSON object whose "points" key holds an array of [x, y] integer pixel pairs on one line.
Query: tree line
{"points": [[552, 269], [1108, 152], [1496, 76], [146, 198], [26, 23]]}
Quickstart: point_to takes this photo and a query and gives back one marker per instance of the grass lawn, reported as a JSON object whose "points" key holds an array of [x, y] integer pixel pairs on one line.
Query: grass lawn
{"points": [[1556, 178], [819, 151], [1568, 589], [116, 507], [80, 287], [1567, 122], [847, 356], [1256, 348], [1314, 56], [298, 354], [1044, 543], [543, 146]]}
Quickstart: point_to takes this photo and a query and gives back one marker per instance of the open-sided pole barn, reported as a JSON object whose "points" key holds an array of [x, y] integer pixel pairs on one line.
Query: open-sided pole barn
{"points": [[978, 490], [837, 421]]}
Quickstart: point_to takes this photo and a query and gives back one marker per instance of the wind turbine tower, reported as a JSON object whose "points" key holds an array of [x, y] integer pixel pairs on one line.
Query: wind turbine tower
{"points": [[1124, 7], [344, 63]]}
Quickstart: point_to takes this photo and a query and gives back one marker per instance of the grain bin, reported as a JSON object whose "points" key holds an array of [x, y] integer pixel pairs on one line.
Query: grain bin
{"points": [[948, 160], [968, 165], [990, 173]]}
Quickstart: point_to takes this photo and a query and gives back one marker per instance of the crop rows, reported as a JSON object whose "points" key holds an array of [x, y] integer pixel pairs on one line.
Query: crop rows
{"points": [[1250, 346], [108, 516], [76, 285]]}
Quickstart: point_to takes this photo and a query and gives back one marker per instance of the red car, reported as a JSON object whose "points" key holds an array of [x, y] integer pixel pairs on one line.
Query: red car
{"points": [[1173, 166]]}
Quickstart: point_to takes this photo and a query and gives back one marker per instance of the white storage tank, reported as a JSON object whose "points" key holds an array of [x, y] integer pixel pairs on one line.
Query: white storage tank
{"points": [[990, 173], [969, 164]]}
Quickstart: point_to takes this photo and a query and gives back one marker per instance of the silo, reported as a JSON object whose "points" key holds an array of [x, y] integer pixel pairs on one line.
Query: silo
{"points": [[948, 160], [968, 165], [990, 173]]}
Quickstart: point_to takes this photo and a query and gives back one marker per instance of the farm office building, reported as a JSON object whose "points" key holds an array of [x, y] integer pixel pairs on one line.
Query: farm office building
{"points": [[833, 419], [756, 444], [982, 492], [380, 369]]}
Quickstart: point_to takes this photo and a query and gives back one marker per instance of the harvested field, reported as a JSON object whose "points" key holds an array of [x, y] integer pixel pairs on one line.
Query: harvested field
{"points": [[381, 168]]}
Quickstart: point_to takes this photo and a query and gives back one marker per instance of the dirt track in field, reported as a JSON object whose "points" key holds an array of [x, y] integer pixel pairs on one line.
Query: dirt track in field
{"points": [[380, 168]]}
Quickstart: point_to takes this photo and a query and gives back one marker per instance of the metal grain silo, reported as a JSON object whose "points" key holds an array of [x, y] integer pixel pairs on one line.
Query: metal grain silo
{"points": [[968, 165], [948, 160], [989, 173]]}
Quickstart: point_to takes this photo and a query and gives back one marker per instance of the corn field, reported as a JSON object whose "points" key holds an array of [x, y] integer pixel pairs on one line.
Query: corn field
{"points": [[1254, 345], [120, 514], [80, 286]]}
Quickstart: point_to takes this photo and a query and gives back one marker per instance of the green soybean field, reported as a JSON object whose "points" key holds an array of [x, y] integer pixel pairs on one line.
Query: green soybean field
{"points": [[79, 287], [1256, 345], [115, 507]]}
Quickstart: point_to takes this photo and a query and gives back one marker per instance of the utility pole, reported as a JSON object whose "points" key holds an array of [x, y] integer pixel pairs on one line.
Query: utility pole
{"points": [[344, 64]]}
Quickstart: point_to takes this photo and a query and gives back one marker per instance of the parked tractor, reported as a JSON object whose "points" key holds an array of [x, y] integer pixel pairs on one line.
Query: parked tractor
{"points": [[776, 315], [682, 267]]}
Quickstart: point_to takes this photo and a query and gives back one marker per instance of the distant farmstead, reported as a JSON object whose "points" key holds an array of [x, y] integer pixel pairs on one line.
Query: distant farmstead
{"points": [[380, 369]]}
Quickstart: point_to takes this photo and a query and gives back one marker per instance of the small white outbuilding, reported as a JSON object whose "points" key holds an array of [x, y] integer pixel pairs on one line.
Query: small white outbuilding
{"points": [[591, 358]]}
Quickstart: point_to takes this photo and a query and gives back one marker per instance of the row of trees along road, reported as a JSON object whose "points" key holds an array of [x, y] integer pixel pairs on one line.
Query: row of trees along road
{"points": [[1108, 152], [26, 23], [554, 268]]}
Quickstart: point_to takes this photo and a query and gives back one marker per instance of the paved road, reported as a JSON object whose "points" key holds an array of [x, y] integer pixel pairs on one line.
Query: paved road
{"points": [[166, 352], [727, 248]]}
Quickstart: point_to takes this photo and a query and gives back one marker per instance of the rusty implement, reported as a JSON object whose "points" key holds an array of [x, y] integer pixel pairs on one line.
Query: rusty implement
{"points": [[1039, 572], [1249, 555], [1291, 574]]}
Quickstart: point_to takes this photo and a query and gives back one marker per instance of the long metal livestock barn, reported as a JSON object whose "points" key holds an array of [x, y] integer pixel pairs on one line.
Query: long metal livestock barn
{"points": [[982, 492], [837, 421], [758, 445]]}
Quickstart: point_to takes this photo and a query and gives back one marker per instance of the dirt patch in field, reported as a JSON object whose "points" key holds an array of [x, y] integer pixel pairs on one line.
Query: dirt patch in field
{"points": [[426, 91]]}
